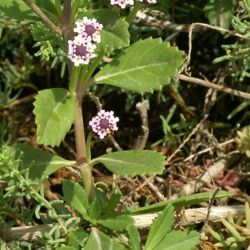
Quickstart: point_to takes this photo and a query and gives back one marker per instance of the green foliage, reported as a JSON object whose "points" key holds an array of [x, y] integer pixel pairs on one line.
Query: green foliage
{"points": [[115, 34], [178, 240], [19, 186], [134, 238], [132, 162], [51, 46], [180, 202], [95, 212], [18, 10], [100, 241], [13, 81], [41, 164], [243, 140], [9, 159], [160, 237], [220, 12], [10, 167], [115, 37], [237, 53], [77, 237], [145, 66], [49, 42], [116, 221], [161, 226], [55, 113], [75, 196], [48, 7]]}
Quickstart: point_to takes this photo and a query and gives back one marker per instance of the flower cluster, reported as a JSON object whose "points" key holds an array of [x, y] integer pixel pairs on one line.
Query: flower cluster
{"points": [[82, 49], [104, 124], [125, 3]]}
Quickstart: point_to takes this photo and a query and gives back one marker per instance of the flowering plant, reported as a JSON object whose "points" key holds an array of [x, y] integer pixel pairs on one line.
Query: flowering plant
{"points": [[140, 66]]}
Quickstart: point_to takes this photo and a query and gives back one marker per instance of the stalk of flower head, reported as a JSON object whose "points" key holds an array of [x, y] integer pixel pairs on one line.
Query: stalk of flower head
{"points": [[81, 50]]}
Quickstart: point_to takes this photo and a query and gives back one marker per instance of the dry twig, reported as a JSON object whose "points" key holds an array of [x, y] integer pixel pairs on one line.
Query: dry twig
{"points": [[190, 157], [186, 140], [194, 215], [154, 189], [143, 108], [208, 84]]}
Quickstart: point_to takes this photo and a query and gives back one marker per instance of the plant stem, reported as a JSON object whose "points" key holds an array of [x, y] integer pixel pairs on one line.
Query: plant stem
{"points": [[75, 89], [44, 18], [67, 29], [86, 170], [79, 129], [74, 77]]}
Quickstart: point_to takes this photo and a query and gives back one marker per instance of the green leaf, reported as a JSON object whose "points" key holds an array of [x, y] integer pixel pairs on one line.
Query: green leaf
{"points": [[95, 209], [41, 164], [181, 202], [97, 206], [145, 66], [116, 221], [100, 241], [134, 238], [220, 12], [55, 113], [48, 8], [76, 237], [18, 10], [112, 202], [67, 248], [132, 162], [115, 37], [76, 197], [178, 240], [160, 227], [41, 33]]}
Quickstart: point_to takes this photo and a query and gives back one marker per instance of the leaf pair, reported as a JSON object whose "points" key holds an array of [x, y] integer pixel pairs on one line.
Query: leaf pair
{"points": [[125, 163]]}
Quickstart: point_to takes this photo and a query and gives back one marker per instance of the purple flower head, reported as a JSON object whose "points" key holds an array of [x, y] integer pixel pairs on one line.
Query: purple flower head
{"points": [[89, 27], [122, 3], [104, 124], [81, 50]]}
